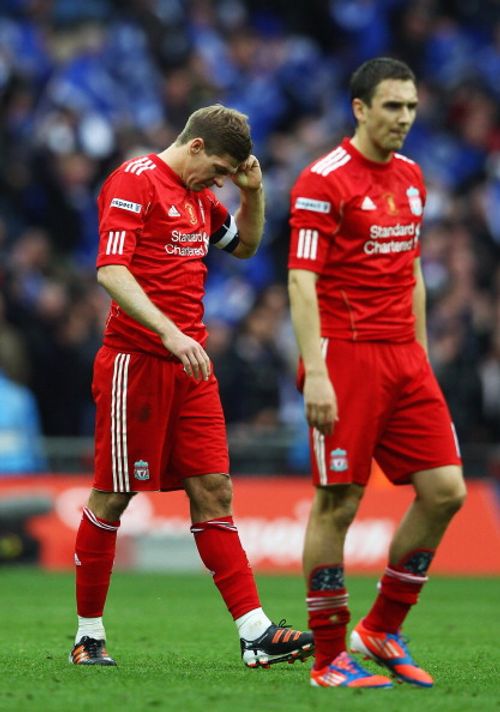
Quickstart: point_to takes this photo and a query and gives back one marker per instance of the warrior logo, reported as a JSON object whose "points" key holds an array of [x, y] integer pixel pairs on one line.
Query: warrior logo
{"points": [[338, 460], [141, 470]]}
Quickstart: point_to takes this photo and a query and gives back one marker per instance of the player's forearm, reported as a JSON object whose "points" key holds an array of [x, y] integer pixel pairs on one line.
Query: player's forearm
{"points": [[124, 289], [420, 320], [250, 221], [305, 319], [419, 307]]}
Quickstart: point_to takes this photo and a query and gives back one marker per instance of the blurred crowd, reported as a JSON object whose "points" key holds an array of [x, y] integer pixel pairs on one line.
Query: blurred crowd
{"points": [[86, 84]]}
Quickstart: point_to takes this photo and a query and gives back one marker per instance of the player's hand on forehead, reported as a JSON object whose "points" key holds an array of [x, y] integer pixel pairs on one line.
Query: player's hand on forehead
{"points": [[248, 175]]}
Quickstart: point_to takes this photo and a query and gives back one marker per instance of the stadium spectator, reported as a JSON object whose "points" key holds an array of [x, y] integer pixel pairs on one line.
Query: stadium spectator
{"points": [[159, 421], [251, 372], [358, 309], [20, 434]]}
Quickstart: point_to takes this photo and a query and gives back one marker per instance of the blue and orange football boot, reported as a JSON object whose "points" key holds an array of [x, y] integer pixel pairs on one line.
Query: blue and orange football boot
{"points": [[391, 651], [344, 671]]}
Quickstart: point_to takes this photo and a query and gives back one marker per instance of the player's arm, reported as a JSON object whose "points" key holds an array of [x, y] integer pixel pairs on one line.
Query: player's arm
{"points": [[124, 289], [419, 301], [319, 396], [250, 215]]}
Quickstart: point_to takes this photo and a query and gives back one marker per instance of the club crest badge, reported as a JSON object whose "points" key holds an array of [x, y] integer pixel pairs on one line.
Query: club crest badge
{"points": [[415, 201], [338, 460], [141, 470]]}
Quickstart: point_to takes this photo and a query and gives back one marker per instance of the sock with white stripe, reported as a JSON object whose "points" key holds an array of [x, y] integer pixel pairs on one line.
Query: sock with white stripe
{"points": [[399, 590], [220, 549], [328, 612], [94, 556]]}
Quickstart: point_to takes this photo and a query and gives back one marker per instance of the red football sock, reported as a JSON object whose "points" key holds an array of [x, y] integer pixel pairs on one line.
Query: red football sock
{"points": [[328, 612], [220, 550], [399, 589], [94, 556]]}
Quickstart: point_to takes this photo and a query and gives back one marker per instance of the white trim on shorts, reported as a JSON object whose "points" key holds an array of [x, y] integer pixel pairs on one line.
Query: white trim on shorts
{"points": [[119, 443]]}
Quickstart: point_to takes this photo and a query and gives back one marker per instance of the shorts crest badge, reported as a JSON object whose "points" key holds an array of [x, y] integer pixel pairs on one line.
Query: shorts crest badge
{"points": [[338, 460], [141, 470]]}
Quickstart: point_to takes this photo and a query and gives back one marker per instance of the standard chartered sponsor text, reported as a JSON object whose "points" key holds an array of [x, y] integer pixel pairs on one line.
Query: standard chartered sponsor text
{"points": [[378, 231], [382, 248], [381, 232], [198, 250], [178, 236]]}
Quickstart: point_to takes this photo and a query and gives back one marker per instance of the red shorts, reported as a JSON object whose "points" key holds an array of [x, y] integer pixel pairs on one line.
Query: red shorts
{"points": [[155, 426], [390, 408]]}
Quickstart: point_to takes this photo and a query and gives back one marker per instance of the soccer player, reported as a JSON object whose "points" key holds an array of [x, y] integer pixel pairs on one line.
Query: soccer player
{"points": [[159, 421], [358, 310]]}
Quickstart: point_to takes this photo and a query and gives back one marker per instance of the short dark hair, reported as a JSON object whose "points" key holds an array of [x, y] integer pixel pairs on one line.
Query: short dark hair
{"points": [[224, 131], [368, 76]]}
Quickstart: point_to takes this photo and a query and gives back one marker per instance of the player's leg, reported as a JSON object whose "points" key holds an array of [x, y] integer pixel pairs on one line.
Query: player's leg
{"points": [[131, 410], [218, 543], [333, 509], [94, 556], [419, 439], [341, 465], [199, 447], [216, 536], [439, 495], [332, 512]]}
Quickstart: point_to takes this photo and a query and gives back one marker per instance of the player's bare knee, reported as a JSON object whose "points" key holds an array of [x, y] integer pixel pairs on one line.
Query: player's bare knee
{"points": [[223, 494], [453, 499], [343, 515], [339, 503], [109, 505], [210, 493], [448, 493]]}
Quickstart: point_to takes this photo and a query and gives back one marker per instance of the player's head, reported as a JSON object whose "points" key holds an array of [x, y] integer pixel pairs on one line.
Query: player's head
{"points": [[368, 76], [384, 103], [217, 140], [224, 132]]}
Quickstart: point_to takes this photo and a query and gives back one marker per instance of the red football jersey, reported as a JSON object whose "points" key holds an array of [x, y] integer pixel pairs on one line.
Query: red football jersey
{"points": [[160, 230], [356, 223]]}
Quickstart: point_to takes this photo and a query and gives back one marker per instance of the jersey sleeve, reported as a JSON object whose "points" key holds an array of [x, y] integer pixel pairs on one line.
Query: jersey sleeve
{"points": [[224, 231], [123, 203], [314, 219], [423, 194], [421, 184]]}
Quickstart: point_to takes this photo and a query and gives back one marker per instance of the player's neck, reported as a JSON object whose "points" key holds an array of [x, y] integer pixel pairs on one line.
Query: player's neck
{"points": [[173, 156], [370, 150]]}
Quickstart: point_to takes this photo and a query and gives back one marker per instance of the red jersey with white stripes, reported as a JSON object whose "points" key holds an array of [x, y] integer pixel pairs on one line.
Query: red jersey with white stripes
{"points": [[160, 230], [356, 223]]}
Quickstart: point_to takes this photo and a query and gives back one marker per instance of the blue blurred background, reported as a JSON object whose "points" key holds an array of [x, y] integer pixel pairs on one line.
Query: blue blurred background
{"points": [[86, 84]]}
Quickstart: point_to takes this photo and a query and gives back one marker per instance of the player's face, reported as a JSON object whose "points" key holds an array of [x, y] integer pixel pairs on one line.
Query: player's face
{"points": [[203, 170], [384, 125]]}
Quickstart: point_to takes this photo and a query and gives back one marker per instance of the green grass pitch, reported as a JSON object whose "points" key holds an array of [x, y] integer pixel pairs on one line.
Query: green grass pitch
{"points": [[177, 648]]}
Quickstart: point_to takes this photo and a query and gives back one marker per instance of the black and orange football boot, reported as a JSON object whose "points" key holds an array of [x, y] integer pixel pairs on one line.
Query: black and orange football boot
{"points": [[278, 644], [89, 651]]}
